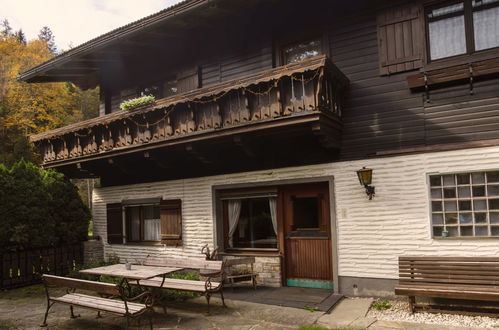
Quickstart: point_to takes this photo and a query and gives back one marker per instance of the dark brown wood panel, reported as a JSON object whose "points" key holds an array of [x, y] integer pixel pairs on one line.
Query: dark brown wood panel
{"points": [[307, 259]]}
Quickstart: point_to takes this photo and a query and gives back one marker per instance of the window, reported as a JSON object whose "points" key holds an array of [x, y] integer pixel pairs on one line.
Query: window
{"points": [[462, 27], [145, 220], [301, 51], [153, 89], [142, 223], [465, 204], [251, 223]]}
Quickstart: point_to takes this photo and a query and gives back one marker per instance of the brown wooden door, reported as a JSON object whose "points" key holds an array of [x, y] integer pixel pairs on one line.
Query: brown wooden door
{"points": [[307, 235]]}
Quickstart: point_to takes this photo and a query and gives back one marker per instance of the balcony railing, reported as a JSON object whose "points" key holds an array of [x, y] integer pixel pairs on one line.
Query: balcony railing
{"points": [[311, 86]]}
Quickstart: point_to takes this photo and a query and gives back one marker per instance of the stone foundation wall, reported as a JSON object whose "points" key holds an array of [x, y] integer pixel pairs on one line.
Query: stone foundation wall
{"points": [[93, 251]]}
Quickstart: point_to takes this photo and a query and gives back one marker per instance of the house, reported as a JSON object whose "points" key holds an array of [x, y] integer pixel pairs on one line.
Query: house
{"points": [[266, 110]]}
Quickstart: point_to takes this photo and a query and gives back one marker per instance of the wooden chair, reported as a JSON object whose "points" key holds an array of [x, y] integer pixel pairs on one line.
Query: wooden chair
{"points": [[236, 273]]}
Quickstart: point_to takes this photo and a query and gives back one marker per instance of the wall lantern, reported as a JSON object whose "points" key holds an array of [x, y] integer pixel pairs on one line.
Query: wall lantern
{"points": [[365, 178]]}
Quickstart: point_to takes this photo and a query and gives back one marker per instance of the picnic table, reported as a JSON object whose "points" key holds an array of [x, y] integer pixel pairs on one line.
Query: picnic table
{"points": [[136, 273]]}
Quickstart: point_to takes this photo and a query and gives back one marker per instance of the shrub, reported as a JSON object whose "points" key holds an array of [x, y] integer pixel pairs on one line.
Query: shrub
{"points": [[39, 208], [137, 102]]}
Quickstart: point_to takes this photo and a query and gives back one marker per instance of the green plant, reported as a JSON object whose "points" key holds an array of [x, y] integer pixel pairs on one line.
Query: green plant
{"points": [[179, 295], [137, 102], [381, 305], [241, 271], [312, 309]]}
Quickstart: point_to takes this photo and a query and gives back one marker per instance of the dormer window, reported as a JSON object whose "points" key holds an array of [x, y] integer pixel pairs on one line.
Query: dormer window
{"points": [[462, 27]]}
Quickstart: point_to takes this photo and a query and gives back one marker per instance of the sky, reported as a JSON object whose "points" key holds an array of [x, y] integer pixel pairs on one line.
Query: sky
{"points": [[74, 22]]}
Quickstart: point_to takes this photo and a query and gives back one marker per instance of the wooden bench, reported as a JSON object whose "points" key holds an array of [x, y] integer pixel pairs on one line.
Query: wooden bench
{"points": [[122, 305], [209, 269], [235, 273], [465, 278]]}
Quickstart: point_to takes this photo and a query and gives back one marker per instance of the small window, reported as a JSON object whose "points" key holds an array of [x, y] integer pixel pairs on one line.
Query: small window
{"points": [[155, 90], [251, 223], [462, 27], [306, 213], [302, 50], [143, 223], [465, 204]]}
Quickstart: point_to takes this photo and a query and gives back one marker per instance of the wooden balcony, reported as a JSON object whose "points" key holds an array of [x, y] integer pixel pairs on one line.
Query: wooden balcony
{"points": [[305, 93]]}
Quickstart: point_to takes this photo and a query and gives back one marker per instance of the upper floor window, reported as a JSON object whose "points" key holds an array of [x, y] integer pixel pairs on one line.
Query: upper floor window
{"points": [[300, 51], [462, 27], [153, 89], [465, 204]]}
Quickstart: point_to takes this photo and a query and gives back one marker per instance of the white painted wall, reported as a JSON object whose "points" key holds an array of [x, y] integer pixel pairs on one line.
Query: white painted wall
{"points": [[371, 234]]}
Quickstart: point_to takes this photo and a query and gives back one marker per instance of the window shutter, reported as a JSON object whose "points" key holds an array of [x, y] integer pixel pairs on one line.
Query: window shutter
{"points": [[171, 222], [114, 224], [188, 80], [400, 39]]}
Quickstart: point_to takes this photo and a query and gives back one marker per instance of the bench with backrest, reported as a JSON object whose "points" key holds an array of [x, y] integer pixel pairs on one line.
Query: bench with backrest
{"points": [[238, 270], [211, 270], [116, 302], [466, 278]]}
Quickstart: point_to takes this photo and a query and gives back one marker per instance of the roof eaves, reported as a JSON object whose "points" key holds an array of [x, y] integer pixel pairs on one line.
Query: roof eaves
{"points": [[106, 38]]}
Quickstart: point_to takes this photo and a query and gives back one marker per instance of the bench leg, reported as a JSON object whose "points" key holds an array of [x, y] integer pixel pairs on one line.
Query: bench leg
{"points": [[208, 300], [98, 315], [44, 324], [150, 319], [223, 300], [412, 302], [253, 279]]}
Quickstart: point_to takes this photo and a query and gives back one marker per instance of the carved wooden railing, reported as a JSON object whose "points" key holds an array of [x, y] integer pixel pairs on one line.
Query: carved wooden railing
{"points": [[313, 85]]}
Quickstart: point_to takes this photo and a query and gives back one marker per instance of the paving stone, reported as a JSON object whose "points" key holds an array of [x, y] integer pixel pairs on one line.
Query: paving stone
{"points": [[346, 312]]}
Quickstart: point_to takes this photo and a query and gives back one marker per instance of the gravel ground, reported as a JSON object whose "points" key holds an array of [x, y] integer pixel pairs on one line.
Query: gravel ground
{"points": [[399, 311]]}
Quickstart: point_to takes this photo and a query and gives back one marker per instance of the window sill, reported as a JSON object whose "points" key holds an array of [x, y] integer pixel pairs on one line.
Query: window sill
{"points": [[460, 60], [464, 238], [144, 243], [252, 252]]}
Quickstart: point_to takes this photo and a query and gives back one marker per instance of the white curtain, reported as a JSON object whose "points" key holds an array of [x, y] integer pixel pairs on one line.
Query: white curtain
{"points": [[486, 28], [447, 37], [151, 224], [234, 212], [273, 212]]}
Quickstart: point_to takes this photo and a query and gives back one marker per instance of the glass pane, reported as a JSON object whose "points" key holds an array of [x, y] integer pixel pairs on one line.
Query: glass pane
{"points": [[467, 231], [447, 37], [486, 27], [453, 231], [438, 218], [450, 206], [492, 190], [449, 180], [306, 213], [449, 192], [436, 206], [450, 218], [481, 231], [464, 205], [436, 193], [133, 216], [478, 178], [464, 192], [151, 223], [254, 228], [480, 205], [434, 13], [479, 191], [301, 51], [493, 177], [493, 204], [463, 178], [435, 181], [480, 217], [465, 218], [437, 231], [494, 217], [494, 230]]}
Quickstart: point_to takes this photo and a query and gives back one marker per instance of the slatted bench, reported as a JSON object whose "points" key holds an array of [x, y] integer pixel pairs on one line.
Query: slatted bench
{"points": [[209, 269], [465, 278], [121, 305]]}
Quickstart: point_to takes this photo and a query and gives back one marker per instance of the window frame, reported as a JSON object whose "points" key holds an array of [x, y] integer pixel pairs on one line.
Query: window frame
{"points": [[486, 198], [128, 224], [468, 29], [284, 42]]}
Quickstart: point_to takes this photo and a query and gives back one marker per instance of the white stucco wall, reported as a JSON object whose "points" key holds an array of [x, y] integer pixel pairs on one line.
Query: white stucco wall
{"points": [[370, 234]]}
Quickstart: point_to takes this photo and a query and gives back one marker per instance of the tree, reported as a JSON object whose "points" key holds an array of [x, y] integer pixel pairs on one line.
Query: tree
{"points": [[6, 29], [47, 35], [20, 37]]}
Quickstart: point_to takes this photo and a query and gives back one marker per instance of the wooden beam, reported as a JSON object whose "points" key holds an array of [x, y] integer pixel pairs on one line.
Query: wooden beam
{"points": [[248, 151]]}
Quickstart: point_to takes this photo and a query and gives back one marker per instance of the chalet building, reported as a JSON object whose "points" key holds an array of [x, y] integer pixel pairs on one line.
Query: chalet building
{"points": [[265, 112]]}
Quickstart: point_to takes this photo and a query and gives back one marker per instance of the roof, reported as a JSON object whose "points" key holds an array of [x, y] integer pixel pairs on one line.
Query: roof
{"points": [[112, 36]]}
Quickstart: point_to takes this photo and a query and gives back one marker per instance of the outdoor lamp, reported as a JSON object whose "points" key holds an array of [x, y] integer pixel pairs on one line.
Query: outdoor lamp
{"points": [[365, 178]]}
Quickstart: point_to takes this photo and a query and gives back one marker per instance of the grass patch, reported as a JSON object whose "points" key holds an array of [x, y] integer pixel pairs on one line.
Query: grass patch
{"points": [[6, 326], [381, 305], [312, 309]]}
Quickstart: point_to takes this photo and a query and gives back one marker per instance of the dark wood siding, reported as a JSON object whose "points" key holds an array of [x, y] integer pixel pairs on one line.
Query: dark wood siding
{"points": [[171, 222], [114, 224]]}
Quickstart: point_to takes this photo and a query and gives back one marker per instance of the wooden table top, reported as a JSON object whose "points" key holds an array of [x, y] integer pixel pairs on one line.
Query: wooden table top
{"points": [[138, 272]]}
